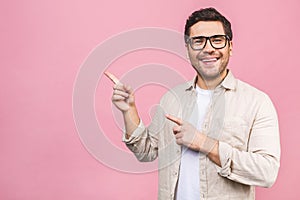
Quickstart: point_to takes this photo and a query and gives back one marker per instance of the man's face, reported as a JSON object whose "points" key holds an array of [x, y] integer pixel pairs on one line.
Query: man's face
{"points": [[210, 63]]}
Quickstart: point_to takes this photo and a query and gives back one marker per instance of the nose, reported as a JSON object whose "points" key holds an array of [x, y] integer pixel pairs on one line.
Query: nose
{"points": [[208, 48]]}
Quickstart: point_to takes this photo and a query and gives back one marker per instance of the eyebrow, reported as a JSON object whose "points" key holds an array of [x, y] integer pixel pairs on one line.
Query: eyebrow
{"points": [[202, 36]]}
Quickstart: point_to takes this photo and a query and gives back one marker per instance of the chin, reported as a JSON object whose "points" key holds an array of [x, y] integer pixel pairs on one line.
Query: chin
{"points": [[210, 76], [209, 73]]}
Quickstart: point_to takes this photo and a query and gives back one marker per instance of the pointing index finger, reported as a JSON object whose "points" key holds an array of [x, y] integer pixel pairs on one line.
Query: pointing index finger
{"points": [[176, 120], [112, 77]]}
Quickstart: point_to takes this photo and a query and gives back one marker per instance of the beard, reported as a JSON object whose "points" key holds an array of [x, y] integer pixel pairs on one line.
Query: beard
{"points": [[211, 74], [213, 71]]}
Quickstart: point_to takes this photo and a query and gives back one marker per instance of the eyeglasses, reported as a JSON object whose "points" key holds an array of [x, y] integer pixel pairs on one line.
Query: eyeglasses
{"points": [[216, 41]]}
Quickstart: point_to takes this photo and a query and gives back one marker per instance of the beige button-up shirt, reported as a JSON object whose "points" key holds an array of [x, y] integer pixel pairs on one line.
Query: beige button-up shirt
{"points": [[243, 120]]}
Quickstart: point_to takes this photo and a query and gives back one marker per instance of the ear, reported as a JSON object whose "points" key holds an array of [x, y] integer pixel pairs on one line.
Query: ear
{"points": [[187, 51], [230, 48]]}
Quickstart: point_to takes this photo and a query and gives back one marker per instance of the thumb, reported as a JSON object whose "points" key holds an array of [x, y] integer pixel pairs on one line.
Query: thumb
{"points": [[128, 89]]}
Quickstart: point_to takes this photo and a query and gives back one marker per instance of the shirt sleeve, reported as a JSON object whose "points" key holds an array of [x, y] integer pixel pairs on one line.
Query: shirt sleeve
{"points": [[135, 135], [142, 143], [144, 140], [258, 165]]}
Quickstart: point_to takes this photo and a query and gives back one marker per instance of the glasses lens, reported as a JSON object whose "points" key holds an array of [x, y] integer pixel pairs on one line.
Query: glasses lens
{"points": [[218, 41], [198, 43]]}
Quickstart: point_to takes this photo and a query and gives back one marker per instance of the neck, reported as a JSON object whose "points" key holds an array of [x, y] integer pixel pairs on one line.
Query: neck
{"points": [[210, 83]]}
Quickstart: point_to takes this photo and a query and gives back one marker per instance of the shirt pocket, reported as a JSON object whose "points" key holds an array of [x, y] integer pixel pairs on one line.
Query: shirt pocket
{"points": [[236, 132]]}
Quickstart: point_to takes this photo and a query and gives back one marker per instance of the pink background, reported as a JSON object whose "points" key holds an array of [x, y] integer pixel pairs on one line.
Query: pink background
{"points": [[44, 43]]}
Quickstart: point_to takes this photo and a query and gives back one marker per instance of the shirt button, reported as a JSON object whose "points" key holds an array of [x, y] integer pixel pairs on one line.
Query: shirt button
{"points": [[172, 196], [175, 173]]}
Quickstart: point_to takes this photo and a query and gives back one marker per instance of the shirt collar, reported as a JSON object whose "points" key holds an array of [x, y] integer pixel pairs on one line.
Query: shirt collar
{"points": [[229, 82]]}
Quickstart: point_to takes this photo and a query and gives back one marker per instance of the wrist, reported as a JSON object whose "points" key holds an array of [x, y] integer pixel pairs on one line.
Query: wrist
{"points": [[207, 143], [132, 116], [197, 141]]}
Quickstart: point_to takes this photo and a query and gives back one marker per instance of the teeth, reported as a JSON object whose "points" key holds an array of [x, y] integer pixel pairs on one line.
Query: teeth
{"points": [[209, 60]]}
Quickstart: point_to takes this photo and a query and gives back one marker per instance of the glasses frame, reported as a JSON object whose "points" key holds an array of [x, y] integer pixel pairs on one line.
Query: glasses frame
{"points": [[208, 38]]}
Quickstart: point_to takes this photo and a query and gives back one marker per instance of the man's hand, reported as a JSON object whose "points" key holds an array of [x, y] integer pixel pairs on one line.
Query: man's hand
{"points": [[123, 96], [186, 134]]}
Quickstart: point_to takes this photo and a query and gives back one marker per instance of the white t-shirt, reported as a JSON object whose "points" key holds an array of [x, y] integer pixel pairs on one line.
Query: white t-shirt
{"points": [[188, 184]]}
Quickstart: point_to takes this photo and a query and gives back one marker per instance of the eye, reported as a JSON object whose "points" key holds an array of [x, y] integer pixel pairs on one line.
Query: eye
{"points": [[198, 41], [218, 40]]}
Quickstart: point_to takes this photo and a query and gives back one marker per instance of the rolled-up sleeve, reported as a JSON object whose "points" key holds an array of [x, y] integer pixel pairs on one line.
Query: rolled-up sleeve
{"points": [[136, 135], [258, 165], [142, 144]]}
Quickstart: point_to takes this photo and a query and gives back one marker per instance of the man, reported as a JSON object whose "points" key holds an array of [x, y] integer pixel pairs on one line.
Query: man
{"points": [[216, 137]]}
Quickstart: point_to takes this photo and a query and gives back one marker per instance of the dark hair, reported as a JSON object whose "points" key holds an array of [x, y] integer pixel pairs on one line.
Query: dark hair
{"points": [[207, 14]]}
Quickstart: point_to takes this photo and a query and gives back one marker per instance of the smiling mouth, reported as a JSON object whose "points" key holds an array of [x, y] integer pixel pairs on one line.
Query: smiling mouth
{"points": [[209, 61]]}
